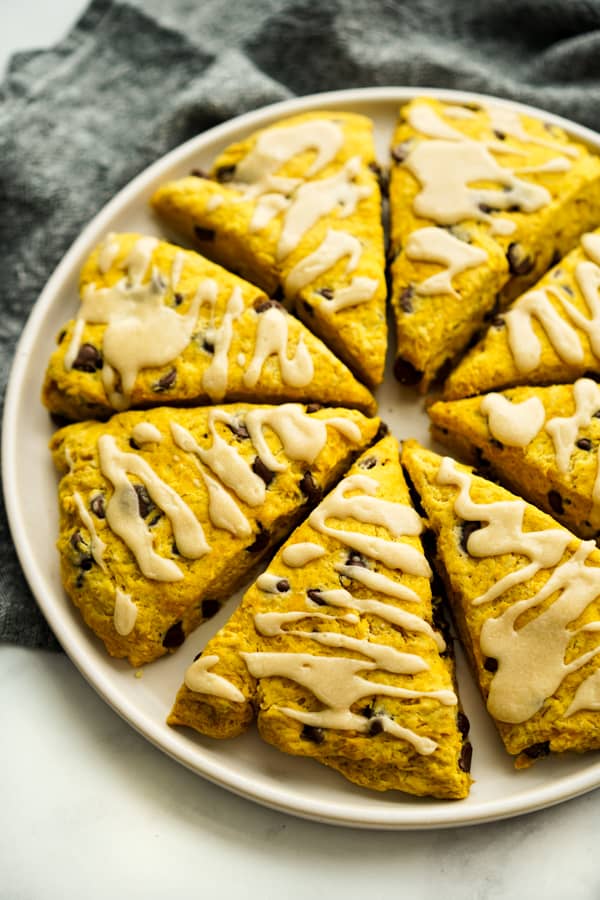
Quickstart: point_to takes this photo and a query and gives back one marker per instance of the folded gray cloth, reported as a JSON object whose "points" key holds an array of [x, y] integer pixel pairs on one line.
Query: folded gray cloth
{"points": [[131, 81]]}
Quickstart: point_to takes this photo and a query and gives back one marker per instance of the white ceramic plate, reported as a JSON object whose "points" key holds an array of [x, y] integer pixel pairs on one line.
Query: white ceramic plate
{"points": [[244, 765]]}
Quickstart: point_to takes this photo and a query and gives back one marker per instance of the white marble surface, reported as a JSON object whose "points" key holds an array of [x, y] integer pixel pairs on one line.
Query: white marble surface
{"points": [[90, 809]]}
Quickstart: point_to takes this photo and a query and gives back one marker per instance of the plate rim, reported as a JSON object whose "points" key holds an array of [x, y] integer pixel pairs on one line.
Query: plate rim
{"points": [[390, 817]]}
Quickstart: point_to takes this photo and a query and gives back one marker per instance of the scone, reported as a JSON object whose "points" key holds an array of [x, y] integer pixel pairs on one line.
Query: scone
{"points": [[525, 594], [482, 201], [334, 647], [550, 335], [159, 325], [541, 442], [163, 514], [296, 209]]}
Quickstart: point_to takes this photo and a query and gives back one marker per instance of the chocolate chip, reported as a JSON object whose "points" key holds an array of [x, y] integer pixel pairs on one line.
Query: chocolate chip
{"points": [[498, 322], [584, 444], [76, 540], [174, 637], [210, 608], [312, 734], [556, 502], [315, 595], [204, 234], [463, 723], [177, 299], [134, 444], [145, 504], [259, 468], [310, 489], [261, 541], [466, 530], [208, 345], [200, 173], [499, 134], [86, 562], [98, 506], [155, 520], [263, 305], [283, 585], [225, 173], [537, 750], [406, 373], [490, 664], [487, 209], [239, 429], [405, 298], [375, 726], [61, 336], [465, 758], [326, 292], [367, 711], [519, 262], [401, 151], [88, 359], [356, 559], [313, 407], [567, 289], [166, 382], [369, 462]]}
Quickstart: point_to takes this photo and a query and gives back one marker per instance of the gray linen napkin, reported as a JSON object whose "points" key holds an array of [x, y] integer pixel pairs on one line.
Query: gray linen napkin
{"points": [[132, 80]]}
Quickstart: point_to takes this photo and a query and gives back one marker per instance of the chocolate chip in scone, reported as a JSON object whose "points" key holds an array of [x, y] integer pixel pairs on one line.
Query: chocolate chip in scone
{"points": [[88, 359], [556, 502], [405, 298], [466, 530], [367, 711], [262, 306], [463, 724], [498, 322], [375, 726], [145, 504], [313, 407], [465, 758], [536, 751], [166, 382], [200, 173], [61, 336], [355, 558], [210, 608], [584, 444], [259, 468], [204, 234], [401, 151], [177, 299], [283, 586], [326, 292], [76, 541], [174, 636], [134, 444], [261, 541], [310, 489], [405, 372], [490, 664], [239, 429], [225, 173], [315, 595], [312, 734], [519, 261], [98, 506], [369, 462], [208, 346]]}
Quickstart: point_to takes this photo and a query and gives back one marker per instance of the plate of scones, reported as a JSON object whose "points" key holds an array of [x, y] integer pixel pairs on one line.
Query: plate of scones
{"points": [[318, 450]]}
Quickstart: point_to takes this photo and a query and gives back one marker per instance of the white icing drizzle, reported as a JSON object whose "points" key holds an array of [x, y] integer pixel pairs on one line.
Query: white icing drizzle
{"points": [[524, 343], [458, 112], [214, 202], [177, 268], [146, 433], [556, 165], [531, 662], [275, 146], [507, 122], [531, 658], [215, 377], [199, 679], [587, 695], [514, 424], [503, 533], [398, 519], [297, 555], [564, 430], [241, 360], [272, 340], [141, 331], [439, 246], [591, 246], [97, 545], [268, 582], [375, 581], [223, 511], [335, 246], [447, 169], [125, 613], [109, 250], [360, 290], [423, 117], [122, 512]]}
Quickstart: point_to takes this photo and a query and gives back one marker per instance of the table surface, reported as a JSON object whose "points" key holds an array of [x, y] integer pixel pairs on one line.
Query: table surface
{"points": [[89, 808]]}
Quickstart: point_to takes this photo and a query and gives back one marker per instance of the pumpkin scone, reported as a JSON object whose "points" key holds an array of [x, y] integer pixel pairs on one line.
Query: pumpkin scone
{"points": [[549, 335], [541, 442], [164, 513], [334, 647], [296, 209], [525, 594], [159, 325], [482, 201]]}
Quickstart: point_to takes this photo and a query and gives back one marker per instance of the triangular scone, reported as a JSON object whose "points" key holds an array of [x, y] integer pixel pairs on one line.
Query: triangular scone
{"points": [[525, 593], [482, 201], [550, 335], [296, 208], [164, 513], [334, 647], [159, 325], [542, 442]]}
